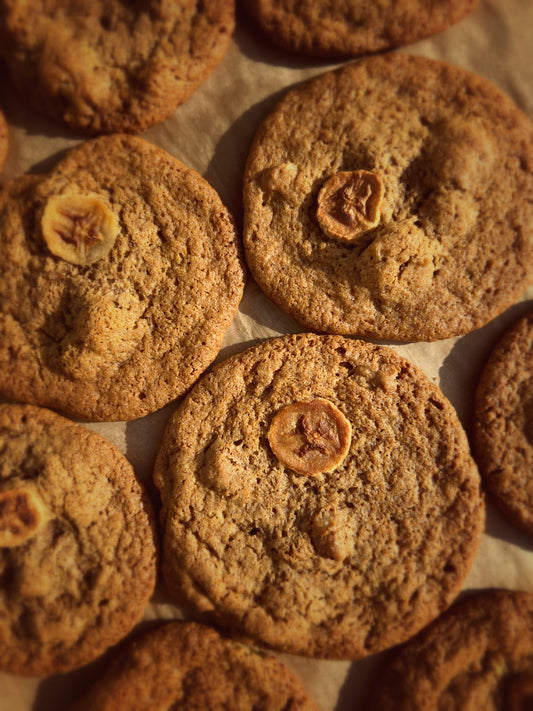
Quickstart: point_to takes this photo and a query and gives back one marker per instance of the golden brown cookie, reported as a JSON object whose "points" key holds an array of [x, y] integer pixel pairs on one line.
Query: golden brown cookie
{"points": [[503, 425], [103, 66], [185, 666], [272, 527], [392, 199], [120, 274], [344, 28], [77, 547], [477, 656]]}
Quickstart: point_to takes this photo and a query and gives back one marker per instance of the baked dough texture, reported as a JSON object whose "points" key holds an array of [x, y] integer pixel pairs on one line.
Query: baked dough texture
{"points": [[185, 666], [3, 140], [124, 335], [503, 425], [453, 247], [104, 66], [477, 656], [332, 565], [348, 28], [82, 577]]}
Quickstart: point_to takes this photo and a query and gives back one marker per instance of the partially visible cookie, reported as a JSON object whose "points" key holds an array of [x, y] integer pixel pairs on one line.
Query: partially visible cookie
{"points": [[77, 546], [185, 666], [392, 199], [478, 655], [104, 66], [3, 140], [318, 497], [344, 28], [120, 273], [503, 425]]}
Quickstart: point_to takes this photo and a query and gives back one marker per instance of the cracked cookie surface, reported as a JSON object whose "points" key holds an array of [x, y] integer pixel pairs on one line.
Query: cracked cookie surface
{"points": [[105, 66], [83, 566], [202, 670], [342, 28], [120, 336], [477, 656], [503, 424], [339, 564], [453, 246]]}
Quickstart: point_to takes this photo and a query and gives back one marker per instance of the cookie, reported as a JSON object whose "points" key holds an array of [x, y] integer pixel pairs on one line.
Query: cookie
{"points": [[104, 66], [275, 528], [392, 199], [477, 656], [200, 669], [3, 140], [503, 423], [341, 28], [120, 274], [77, 547]]}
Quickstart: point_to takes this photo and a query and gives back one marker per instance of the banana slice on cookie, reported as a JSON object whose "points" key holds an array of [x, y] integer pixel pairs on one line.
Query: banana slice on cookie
{"points": [[310, 437], [348, 204], [79, 228], [22, 513]]}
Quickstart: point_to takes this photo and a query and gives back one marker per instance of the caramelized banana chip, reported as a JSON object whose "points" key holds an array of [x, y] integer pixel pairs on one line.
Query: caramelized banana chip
{"points": [[310, 437], [79, 228], [21, 516], [348, 204]]}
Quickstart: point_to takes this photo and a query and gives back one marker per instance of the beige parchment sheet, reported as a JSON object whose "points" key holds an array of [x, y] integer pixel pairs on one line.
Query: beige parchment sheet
{"points": [[211, 133]]}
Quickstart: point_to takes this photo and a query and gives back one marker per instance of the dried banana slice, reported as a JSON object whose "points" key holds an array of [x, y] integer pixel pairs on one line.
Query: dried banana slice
{"points": [[22, 514], [79, 228], [349, 203], [310, 437]]}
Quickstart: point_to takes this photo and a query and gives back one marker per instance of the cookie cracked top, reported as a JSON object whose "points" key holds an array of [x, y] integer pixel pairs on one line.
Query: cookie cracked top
{"points": [[478, 655], [77, 543], [202, 670], [342, 28], [120, 273], [503, 423], [105, 66], [392, 199], [337, 557]]}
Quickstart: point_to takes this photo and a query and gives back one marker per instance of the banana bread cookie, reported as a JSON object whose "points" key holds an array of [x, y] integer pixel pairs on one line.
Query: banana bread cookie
{"points": [[477, 656], [503, 424], [344, 28], [202, 671], [392, 199], [120, 274], [77, 543], [318, 497], [104, 66]]}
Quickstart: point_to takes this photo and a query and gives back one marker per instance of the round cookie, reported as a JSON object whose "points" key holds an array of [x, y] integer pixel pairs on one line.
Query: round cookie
{"points": [[77, 546], [119, 276], [476, 656], [503, 424], [104, 66], [201, 669], [348, 550], [341, 28], [392, 199]]}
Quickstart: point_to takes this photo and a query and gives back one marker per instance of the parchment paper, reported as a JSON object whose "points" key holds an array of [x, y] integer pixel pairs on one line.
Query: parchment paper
{"points": [[211, 133]]}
